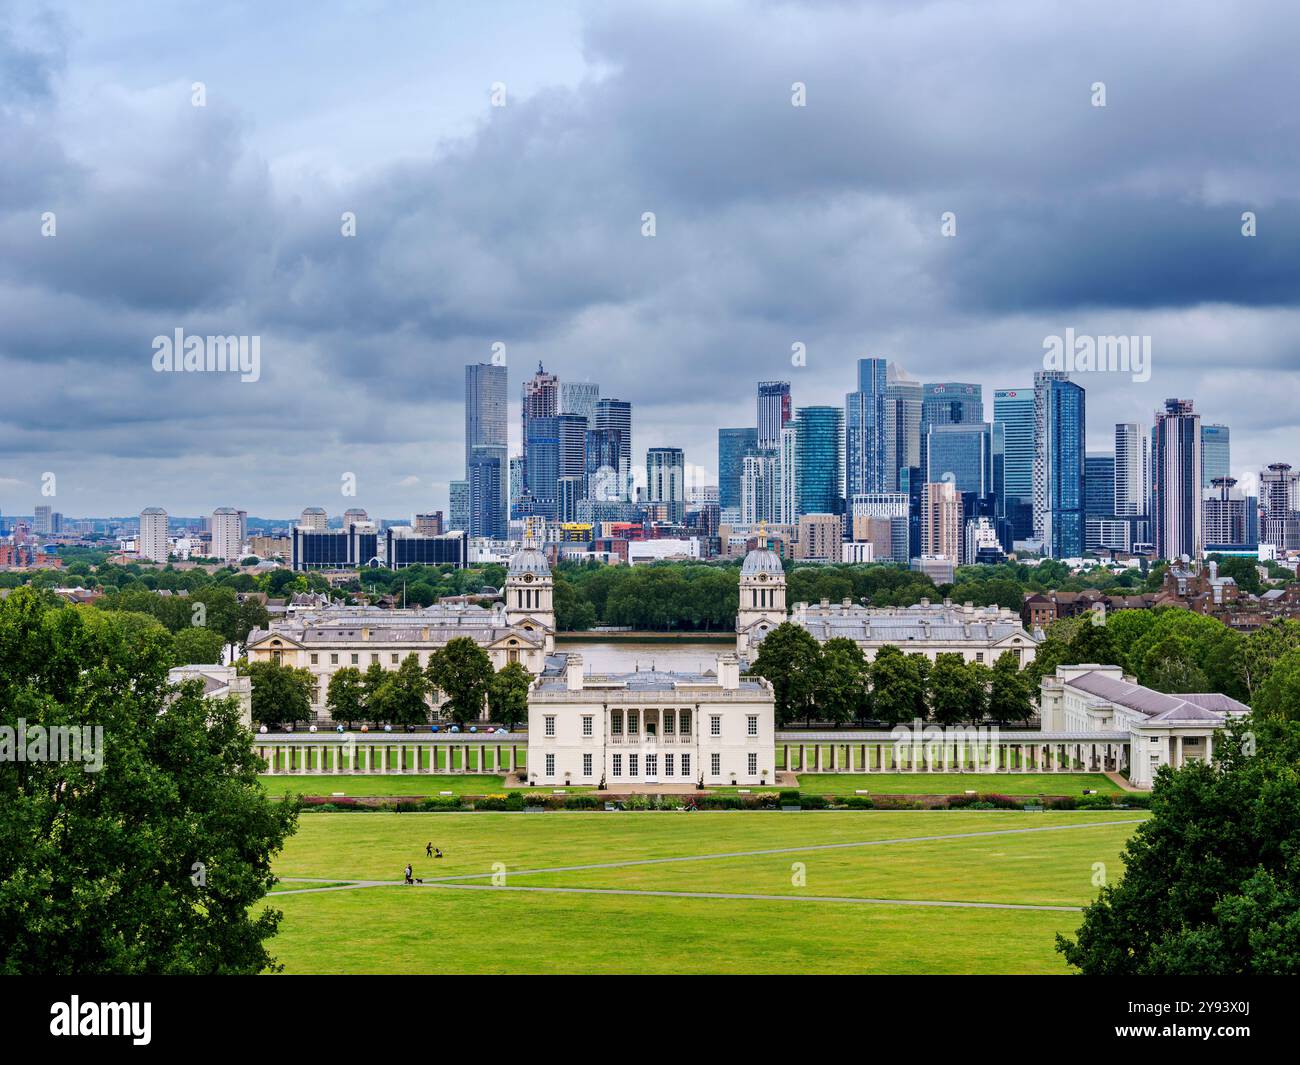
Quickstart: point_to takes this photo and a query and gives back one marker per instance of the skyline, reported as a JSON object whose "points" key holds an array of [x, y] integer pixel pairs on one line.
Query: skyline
{"points": [[775, 226]]}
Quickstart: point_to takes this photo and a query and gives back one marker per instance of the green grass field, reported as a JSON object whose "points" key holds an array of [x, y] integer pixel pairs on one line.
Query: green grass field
{"points": [[548, 916]]}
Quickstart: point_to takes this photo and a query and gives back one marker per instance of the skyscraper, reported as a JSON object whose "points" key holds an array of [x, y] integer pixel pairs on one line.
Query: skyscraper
{"points": [[1176, 480], [773, 411], [486, 477], [665, 470], [820, 460], [733, 446], [1279, 494], [1216, 454], [1042, 385], [604, 453], [1013, 457], [226, 541], [1223, 516], [941, 521], [485, 407], [458, 506], [1099, 484], [961, 454], [540, 399], [617, 414], [579, 397], [864, 429], [556, 449], [1063, 458], [949, 403], [1132, 471], [153, 534], [903, 402]]}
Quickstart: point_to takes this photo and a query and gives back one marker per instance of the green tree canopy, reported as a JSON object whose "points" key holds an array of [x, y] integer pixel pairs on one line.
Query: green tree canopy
{"points": [[460, 673]]}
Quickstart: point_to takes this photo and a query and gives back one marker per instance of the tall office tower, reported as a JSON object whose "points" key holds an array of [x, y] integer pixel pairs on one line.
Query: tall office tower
{"points": [[153, 534], [773, 411], [43, 522], [226, 540], [864, 429], [819, 459], [353, 515], [604, 447], [1216, 454], [1279, 494], [556, 448], [516, 482], [485, 407], [665, 472], [787, 502], [428, 524], [1223, 516], [941, 521], [1013, 457], [1176, 481], [485, 475], [458, 506], [903, 402], [1132, 471], [314, 518], [1042, 386], [540, 399], [961, 454], [1063, 460], [580, 397], [1099, 483], [949, 403], [733, 446], [760, 487], [617, 414], [880, 518]]}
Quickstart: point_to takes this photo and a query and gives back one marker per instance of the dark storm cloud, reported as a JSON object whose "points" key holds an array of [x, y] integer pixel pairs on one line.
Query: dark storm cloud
{"points": [[775, 225]]}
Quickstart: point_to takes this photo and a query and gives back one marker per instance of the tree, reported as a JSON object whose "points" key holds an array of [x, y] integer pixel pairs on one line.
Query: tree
{"points": [[371, 681], [1009, 696], [1094, 644], [346, 698], [508, 694], [843, 682], [896, 686], [791, 659], [1278, 696], [197, 645], [1209, 885], [401, 697], [155, 859], [950, 683], [281, 694], [460, 672]]}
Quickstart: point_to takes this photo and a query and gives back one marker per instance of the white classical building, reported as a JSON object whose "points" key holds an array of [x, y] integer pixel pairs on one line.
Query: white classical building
{"points": [[218, 683], [1160, 729], [331, 638], [978, 634], [649, 727]]}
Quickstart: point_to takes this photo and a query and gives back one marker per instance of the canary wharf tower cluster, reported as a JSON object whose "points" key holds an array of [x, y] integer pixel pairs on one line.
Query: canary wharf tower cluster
{"points": [[926, 473]]}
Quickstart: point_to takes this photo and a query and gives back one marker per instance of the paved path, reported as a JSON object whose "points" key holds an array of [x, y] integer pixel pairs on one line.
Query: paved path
{"points": [[453, 881]]}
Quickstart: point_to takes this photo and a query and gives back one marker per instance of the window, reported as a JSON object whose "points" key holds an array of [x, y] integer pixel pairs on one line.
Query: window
{"points": [[753, 764], [652, 765], [586, 725], [752, 728], [631, 765], [616, 722], [616, 762], [715, 724], [374, 657], [669, 717], [334, 660], [586, 765], [633, 722], [550, 725], [315, 658], [684, 720], [715, 764], [550, 765], [356, 659], [686, 765], [668, 765], [394, 659], [979, 656]]}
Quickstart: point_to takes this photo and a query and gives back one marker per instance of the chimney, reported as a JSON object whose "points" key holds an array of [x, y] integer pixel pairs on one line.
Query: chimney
{"points": [[573, 673], [1214, 569], [729, 671]]}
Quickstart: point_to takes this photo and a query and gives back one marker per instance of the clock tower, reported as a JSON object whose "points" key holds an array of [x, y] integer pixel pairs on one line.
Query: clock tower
{"points": [[530, 592]]}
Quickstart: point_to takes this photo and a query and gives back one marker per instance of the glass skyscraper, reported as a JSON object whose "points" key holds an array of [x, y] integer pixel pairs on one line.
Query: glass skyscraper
{"points": [[665, 469], [773, 412], [962, 455], [903, 401], [1013, 458], [1099, 484], [949, 403], [819, 451], [617, 414], [1064, 419], [864, 429], [486, 442], [733, 446], [1216, 454]]}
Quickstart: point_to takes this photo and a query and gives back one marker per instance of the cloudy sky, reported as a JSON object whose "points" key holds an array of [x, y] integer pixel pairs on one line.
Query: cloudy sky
{"points": [[775, 225]]}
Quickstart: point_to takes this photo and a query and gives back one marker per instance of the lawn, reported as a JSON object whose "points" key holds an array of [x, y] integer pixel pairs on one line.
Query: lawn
{"points": [[386, 784], [983, 857], [956, 783]]}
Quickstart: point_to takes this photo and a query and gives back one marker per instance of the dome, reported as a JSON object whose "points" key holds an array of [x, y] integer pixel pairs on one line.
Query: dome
{"points": [[762, 560], [529, 560]]}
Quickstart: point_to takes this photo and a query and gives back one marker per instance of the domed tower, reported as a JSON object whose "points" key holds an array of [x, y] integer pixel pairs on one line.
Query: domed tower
{"points": [[762, 598], [530, 592]]}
